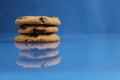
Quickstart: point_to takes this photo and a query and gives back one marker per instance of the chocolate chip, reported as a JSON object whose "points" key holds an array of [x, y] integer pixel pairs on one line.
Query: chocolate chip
{"points": [[26, 40], [38, 31], [41, 19], [33, 35], [35, 31], [22, 27]]}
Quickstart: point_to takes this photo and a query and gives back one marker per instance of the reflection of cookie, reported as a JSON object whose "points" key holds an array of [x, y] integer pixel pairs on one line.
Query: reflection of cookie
{"points": [[39, 54], [40, 46], [44, 20], [37, 63], [37, 30], [38, 38]]}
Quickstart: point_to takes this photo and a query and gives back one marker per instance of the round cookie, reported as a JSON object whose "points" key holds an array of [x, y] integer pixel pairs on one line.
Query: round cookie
{"points": [[38, 29], [43, 20], [38, 38]]}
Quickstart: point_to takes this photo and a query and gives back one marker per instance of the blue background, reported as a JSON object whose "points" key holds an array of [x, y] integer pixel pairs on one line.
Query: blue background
{"points": [[84, 56], [77, 16]]}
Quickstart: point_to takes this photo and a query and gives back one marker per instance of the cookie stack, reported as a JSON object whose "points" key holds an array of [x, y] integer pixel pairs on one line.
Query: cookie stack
{"points": [[37, 29]]}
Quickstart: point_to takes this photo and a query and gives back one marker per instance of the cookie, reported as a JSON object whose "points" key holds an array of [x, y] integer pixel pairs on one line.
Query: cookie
{"points": [[37, 30], [40, 46], [43, 20], [38, 38]]}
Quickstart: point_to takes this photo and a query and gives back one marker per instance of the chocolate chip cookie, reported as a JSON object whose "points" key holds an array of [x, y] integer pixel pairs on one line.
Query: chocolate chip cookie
{"points": [[37, 29], [38, 38], [43, 20]]}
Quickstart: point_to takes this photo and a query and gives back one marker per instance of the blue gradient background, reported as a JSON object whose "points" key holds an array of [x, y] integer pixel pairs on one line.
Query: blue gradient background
{"points": [[77, 16]]}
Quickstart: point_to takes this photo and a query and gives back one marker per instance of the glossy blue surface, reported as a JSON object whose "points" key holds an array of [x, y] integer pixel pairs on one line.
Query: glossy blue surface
{"points": [[78, 57]]}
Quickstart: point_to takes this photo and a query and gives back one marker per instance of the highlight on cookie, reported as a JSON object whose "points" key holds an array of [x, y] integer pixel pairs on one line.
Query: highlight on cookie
{"points": [[37, 29]]}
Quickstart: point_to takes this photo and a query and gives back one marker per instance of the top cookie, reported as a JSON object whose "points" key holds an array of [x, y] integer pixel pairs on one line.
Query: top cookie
{"points": [[42, 20]]}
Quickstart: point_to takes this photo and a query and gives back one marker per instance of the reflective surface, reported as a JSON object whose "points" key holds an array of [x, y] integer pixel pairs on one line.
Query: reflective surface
{"points": [[37, 55], [76, 57]]}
